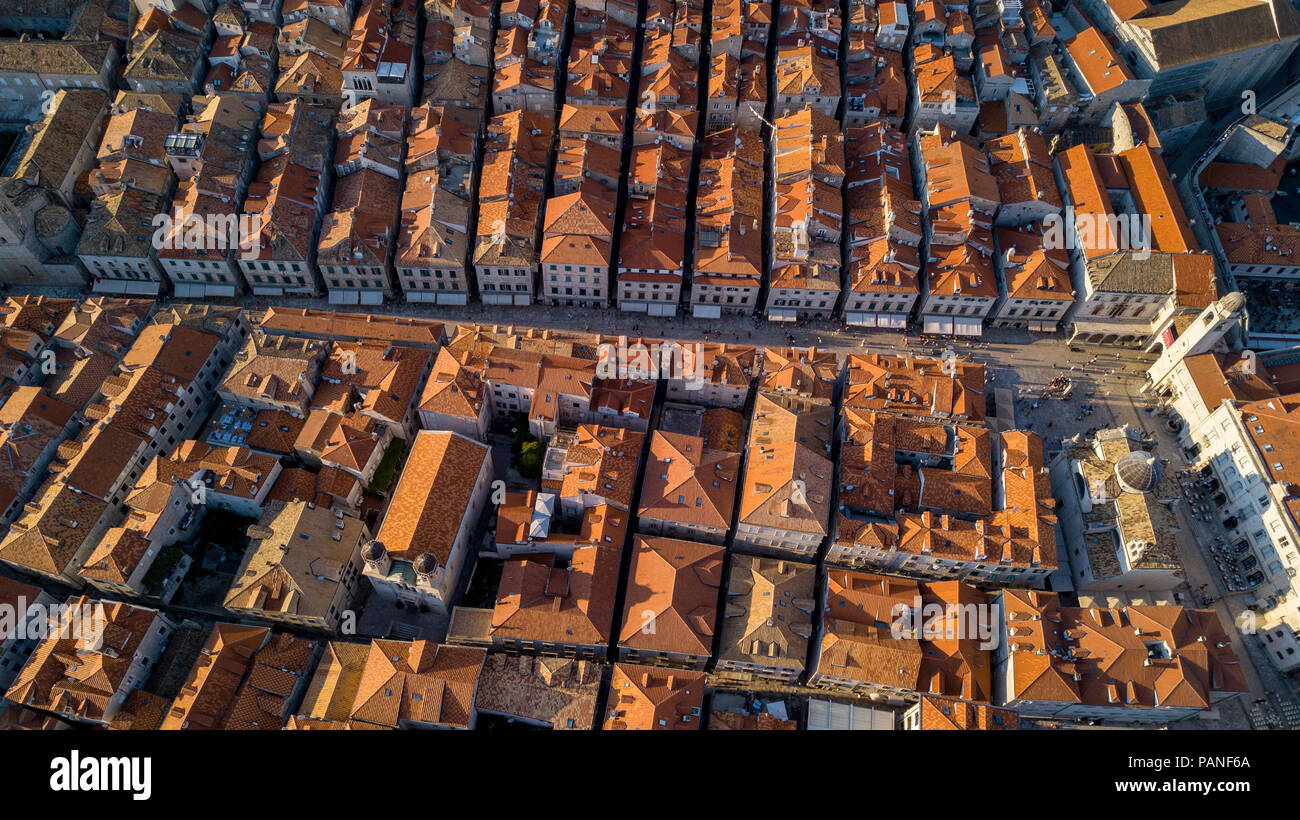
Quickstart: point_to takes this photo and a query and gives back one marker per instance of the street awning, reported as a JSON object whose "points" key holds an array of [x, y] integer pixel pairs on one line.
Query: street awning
{"points": [[141, 287], [782, 314], [707, 311], [453, 298], [967, 326], [265, 291], [937, 324], [372, 297], [343, 297], [189, 291], [144, 287], [894, 321], [860, 318], [824, 715], [662, 308]]}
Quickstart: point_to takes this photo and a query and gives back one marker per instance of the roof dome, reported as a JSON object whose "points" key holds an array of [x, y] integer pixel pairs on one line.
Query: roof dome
{"points": [[425, 564], [374, 551], [1137, 471]]}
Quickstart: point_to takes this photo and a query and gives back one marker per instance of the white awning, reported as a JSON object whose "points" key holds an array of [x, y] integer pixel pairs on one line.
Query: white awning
{"points": [[144, 287], [343, 297], [706, 311], [110, 286], [453, 298], [189, 291], [421, 296], [782, 314], [663, 308], [372, 297], [824, 715], [219, 291], [937, 324], [522, 299], [265, 291], [863, 318], [968, 326]]}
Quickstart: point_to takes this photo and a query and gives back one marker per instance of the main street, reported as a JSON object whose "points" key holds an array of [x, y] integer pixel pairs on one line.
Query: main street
{"points": [[1016, 360]]}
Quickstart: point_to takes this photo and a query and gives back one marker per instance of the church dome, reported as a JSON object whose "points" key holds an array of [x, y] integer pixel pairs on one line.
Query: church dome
{"points": [[1137, 472]]}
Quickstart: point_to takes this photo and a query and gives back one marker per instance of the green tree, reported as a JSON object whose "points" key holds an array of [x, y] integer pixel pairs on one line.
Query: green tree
{"points": [[530, 459]]}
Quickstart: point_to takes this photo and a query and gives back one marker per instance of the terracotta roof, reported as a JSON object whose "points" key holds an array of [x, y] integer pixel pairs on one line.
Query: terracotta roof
{"points": [[454, 387], [348, 441], [956, 475], [953, 714], [807, 372], [559, 693], [30, 421], [116, 557], [1220, 376], [51, 528], [384, 377], [761, 721], [593, 119], [602, 462], [1089, 177], [787, 486], [1029, 271], [956, 170], [274, 431], [431, 496], [1097, 61], [276, 368], [643, 697], [865, 640], [263, 700], [322, 488], [420, 681], [1023, 168], [218, 672], [362, 221], [1139, 656], [539, 599], [915, 386], [778, 419], [671, 603], [353, 326], [333, 687], [685, 482], [81, 676], [767, 618], [297, 556], [236, 471]]}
